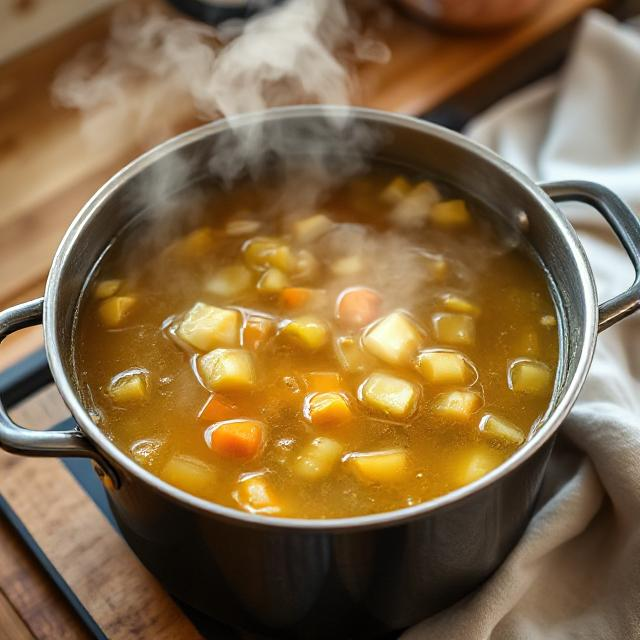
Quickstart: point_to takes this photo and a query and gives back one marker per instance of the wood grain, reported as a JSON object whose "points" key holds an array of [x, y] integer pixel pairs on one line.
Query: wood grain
{"points": [[12, 628]]}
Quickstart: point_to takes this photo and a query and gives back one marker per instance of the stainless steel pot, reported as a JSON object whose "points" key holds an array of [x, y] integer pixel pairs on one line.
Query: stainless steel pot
{"points": [[339, 577]]}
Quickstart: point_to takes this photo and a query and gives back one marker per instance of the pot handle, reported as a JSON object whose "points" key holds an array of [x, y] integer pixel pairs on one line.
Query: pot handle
{"points": [[626, 226], [16, 439]]}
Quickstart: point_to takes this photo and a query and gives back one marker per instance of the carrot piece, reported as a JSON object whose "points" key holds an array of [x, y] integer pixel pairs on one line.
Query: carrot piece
{"points": [[319, 381], [328, 409], [358, 306], [257, 330], [217, 408], [295, 297], [236, 438]]}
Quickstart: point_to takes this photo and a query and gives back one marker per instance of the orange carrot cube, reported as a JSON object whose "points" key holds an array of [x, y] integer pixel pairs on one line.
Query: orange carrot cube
{"points": [[358, 307], [320, 381], [329, 409], [236, 438], [217, 408]]}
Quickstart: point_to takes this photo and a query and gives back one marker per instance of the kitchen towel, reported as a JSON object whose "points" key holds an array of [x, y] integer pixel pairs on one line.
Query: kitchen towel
{"points": [[576, 571]]}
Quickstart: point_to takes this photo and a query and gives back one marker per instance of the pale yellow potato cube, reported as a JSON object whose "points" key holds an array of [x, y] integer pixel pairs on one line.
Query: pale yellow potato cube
{"points": [[474, 463], [458, 304], [501, 429], [396, 190], [529, 376], [257, 252], [457, 405], [188, 473], [272, 281], [230, 281], [383, 467], [307, 331], [454, 328], [390, 395], [413, 210], [395, 339], [348, 266], [227, 370], [450, 214], [205, 327], [129, 386], [196, 244], [436, 266], [317, 459], [106, 288], [255, 494], [114, 310], [444, 367], [311, 228], [147, 451], [306, 265], [351, 356], [241, 227], [282, 258]]}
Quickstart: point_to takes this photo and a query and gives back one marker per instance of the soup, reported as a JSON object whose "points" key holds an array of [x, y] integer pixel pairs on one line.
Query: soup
{"points": [[386, 346]]}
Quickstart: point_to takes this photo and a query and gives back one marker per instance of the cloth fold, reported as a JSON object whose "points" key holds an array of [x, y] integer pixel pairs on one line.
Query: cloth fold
{"points": [[576, 571]]}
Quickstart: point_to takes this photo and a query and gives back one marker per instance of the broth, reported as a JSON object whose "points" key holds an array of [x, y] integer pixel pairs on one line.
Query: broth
{"points": [[382, 349]]}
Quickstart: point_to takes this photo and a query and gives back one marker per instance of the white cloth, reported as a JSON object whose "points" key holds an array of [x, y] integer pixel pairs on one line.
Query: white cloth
{"points": [[576, 571]]}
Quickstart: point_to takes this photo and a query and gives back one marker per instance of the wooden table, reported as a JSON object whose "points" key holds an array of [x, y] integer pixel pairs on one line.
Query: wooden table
{"points": [[47, 171]]}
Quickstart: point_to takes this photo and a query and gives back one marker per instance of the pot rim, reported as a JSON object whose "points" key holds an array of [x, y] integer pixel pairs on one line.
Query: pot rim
{"points": [[102, 443]]}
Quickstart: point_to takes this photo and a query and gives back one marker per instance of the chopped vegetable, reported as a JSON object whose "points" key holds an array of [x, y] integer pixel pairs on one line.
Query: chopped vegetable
{"points": [[413, 210], [296, 297], [457, 405], [282, 258], [436, 266], [548, 321], [257, 330], [501, 429], [147, 451], [318, 459], [129, 386], [474, 463], [106, 288], [450, 214], [348, 266], [188, 473], [257, 252], [458, 304], [444, 367], [196, 244], [358, 306], [454, 328], [328, 409], [227, 370], [318, 381], [310, 229], [254, 494], [351, 357], [272, 281], [390, 395], [396, 190], [307, 331], [306, 266], [241, 227], [529, 376], [239, 438], [113, 311], [381, 466], [230, 281], [395, 339], [218, 408], [205, 327]]}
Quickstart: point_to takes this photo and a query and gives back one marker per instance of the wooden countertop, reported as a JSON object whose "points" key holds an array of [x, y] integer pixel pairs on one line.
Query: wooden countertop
{"points": [[48, 170]]}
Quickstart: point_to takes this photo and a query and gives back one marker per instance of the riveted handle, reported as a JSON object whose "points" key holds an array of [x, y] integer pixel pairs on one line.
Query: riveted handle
{"points": [[625, 225], [16, 439]]}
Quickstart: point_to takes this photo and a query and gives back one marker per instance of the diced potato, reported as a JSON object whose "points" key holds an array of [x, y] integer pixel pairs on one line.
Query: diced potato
{"points": [[319, 381], [306, 265], [395, 339], [450, 214], [257, 330], [317, 459], [241, 227], [529, 376], [205, 327], [147, 451], [454, 328], [413, 210], [196, 244], [257, 252], [129, 386], [348, 266], [307, 331], [113, 311], [254, 494], [328, 409], [457, 405], [548, 321], [272, 281], [230, 281], [396, 190], [227, 370], [188, 473], [311, 228], [501, 429], [436, 266], [474, 463], [458, 304], [390, 395], [444, 367], [351, 357], [282, 258], [381, 466], [236, 438], [358, 306], [106, 288]]}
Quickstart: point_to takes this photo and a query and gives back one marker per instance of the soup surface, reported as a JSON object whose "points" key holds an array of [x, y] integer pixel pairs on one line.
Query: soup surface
{"points": [[380, 349]]}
